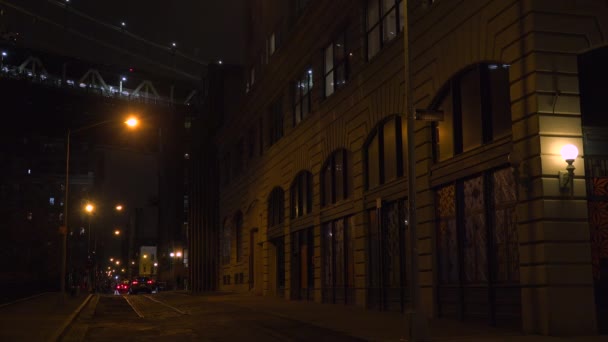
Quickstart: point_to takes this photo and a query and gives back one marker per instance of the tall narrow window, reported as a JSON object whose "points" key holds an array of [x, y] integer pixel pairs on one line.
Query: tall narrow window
{"points": [[384, 152], [302, 97], [384, 21], [336, 183], [301, 195], [335, 65], [276, 207]]}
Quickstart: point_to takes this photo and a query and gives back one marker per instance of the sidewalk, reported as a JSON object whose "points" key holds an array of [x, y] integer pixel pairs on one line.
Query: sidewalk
{"points": [[39, 318], [379, 326]]}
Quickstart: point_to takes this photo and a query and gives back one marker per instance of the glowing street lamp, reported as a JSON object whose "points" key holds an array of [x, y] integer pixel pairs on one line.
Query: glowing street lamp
{"points": [[89, 208], [117, 232], [132, 122], [119, 207]]}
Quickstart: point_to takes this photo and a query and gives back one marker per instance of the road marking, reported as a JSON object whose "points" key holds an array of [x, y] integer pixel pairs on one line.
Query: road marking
{"points": [[167, 305], [133, 307]]}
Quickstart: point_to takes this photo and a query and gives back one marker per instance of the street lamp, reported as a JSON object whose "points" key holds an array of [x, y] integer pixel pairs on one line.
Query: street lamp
{"points": [[4, 54], [122, 79], [117, 232], [64, 229], [118, 207], [418, 325]]}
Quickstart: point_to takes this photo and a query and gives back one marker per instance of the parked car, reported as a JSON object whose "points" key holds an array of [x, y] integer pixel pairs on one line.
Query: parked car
{"points": [[142, 284]]}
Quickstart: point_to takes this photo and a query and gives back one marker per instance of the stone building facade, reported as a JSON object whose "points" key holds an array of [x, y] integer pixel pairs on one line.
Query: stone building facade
{"points": [[313, 163]]}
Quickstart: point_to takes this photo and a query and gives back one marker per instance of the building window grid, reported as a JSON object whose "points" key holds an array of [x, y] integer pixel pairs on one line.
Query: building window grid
{"points": [[491, 125], [334, 172], [336, 65], [302, 96], [301, 195], [381, 167], [276, 208], [384, 20]]}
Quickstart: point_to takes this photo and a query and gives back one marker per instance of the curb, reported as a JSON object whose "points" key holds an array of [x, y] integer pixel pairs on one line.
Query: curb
{"points": [[59, 332]]}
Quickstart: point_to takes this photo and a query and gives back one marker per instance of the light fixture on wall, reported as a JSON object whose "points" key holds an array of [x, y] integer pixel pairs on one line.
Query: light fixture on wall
{"points": [[566, 179]]}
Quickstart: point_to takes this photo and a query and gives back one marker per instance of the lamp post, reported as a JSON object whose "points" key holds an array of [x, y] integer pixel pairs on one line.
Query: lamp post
{"points": [[122, 79], [131, 122], [418, 325], [4, 54]]}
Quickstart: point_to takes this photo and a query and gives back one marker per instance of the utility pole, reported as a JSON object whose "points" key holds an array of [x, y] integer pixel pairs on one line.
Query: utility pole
{"points": [[418, 324]]}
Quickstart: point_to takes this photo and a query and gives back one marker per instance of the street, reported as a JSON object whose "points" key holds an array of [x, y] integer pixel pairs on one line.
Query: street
{"points": [[174, 316]]}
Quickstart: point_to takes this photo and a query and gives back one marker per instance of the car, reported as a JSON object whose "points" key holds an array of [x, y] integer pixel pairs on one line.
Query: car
{"points": [[123, 287], [142, 284]]}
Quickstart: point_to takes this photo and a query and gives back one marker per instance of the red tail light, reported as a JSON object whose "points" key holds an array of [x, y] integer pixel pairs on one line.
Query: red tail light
{"points": [[149, 282], [135, 283]]}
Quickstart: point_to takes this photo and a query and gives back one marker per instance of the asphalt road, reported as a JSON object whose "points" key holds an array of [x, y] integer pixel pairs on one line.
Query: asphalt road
{"points": [[176, 317]]}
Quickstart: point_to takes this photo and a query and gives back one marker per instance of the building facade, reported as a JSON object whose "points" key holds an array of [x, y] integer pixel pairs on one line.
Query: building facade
{"points": [[313, 164]]}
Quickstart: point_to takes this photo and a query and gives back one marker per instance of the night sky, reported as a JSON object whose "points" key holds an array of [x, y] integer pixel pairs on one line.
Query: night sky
{"points": [[206, 30]]}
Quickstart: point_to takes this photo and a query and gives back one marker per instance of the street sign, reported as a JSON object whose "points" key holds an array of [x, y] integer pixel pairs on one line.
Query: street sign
{"points": [[429, 115]]}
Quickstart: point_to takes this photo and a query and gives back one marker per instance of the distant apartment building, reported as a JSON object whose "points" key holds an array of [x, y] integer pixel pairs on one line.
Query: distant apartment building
{"points": [[148, 261], [312, 165]]}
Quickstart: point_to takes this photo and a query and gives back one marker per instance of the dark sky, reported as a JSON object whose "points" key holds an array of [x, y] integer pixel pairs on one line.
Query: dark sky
{"points": [[211, 27], [207, 30]]}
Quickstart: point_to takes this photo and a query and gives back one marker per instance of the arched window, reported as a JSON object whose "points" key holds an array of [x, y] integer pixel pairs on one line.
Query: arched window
{"points": [[238, 226], [384, 152], [477, 110], [336, 180], [301, 195], [276, 207]]}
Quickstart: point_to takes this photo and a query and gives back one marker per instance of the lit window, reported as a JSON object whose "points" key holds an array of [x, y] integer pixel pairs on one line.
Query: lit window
{"points": [[302, 96], [29, 171], [52, 201], [335, 65]]}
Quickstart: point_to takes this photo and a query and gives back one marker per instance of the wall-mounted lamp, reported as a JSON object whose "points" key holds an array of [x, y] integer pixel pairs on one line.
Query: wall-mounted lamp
{"points": [[566, 179]]}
